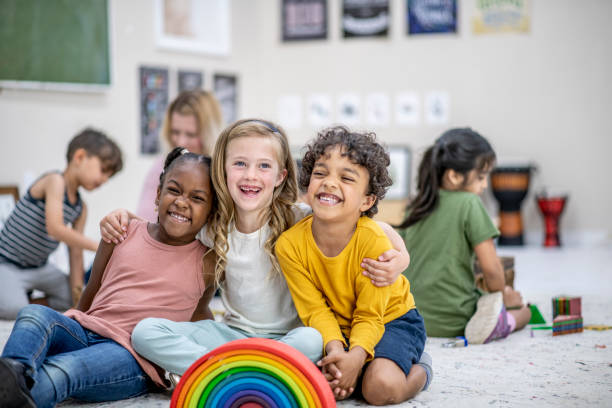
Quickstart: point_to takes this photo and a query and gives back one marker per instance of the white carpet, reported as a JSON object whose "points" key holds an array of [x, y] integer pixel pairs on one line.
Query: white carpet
{"points": [[540, 371]]}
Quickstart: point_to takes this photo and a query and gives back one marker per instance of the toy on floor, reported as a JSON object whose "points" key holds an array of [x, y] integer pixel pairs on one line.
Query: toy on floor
{"points": [[253, 372], [536, 316], [567, 315], [566, 324]]}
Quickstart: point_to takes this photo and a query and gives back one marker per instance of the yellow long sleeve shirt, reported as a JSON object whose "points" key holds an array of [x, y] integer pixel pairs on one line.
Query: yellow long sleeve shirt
{"points": [[332, 295]]}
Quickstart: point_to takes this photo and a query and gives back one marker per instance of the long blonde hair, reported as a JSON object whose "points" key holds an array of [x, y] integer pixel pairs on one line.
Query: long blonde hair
{"points": [[205, 108], [279, 214]]}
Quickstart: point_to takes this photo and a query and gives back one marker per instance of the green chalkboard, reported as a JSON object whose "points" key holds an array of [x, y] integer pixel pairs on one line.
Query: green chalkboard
{"points": [[54, 41]]}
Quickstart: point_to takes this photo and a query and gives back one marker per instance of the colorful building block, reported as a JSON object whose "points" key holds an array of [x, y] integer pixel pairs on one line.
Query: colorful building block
{"points": [[566, 305], [566, 324]]}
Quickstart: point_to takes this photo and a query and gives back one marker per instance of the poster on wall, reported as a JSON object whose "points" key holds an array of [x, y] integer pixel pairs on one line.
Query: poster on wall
{"points": [[365, 18], [304, 19], [499, 16], [153, 101], [431, 16], [199, 26], [407, 109], [399, 170], [226, 90], [349, 109], [189, 80], [319, 110], [437, 108], [378, 109], [289, 111]]}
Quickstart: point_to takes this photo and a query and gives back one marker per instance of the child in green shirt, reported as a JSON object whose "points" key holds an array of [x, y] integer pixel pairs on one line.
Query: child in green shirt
{"points": [[446, 225]]}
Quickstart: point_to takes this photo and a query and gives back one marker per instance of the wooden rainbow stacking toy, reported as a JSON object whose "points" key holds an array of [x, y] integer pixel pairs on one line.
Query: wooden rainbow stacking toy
{"points": [[253, 373]]}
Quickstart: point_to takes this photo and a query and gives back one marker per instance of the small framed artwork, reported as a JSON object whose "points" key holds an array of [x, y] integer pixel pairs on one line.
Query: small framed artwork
{"points": [[198, 26], [190, 80], [304, 20], [153, 101], [399, 170], [365, 18], [431, 16], [226, 90]]}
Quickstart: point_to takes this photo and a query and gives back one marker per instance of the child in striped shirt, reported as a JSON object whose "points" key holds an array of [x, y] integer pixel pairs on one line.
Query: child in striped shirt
{"points": [[51, 212]]}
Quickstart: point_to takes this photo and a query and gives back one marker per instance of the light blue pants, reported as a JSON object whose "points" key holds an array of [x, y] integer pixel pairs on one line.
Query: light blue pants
{"points": [[174, 346]]}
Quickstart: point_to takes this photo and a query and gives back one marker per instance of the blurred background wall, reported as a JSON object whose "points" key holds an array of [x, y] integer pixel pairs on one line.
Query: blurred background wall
{"points": [[543, 97]]}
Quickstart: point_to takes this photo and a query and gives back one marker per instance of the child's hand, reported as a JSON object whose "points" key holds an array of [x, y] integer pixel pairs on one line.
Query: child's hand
{"points": [[387, 268], [113, 227], [348, 367]]}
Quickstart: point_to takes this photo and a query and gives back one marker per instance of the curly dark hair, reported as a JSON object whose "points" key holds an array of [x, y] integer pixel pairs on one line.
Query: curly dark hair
{"points": [[361, 149]]}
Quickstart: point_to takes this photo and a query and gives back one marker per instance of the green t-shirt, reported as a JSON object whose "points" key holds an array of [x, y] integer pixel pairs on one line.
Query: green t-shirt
{"points": [[441, 248]]}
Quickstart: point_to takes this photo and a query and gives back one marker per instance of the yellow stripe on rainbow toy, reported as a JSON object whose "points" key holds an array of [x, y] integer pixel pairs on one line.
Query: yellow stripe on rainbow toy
{"points": [[253, 373]]}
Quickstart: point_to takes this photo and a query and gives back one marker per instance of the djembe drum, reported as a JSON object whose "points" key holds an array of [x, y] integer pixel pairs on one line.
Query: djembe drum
{"points": [[510, 186], [551, 208]]}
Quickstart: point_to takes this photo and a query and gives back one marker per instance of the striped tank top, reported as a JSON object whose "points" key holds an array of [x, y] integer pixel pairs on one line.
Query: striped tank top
{"points": [[24, 240]]}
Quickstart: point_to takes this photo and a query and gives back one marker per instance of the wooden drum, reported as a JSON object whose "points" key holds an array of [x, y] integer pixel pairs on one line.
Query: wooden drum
{"points": [[510, 186]]}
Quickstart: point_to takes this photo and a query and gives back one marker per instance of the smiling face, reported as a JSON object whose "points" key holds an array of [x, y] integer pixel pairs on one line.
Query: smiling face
{"points": [[184, 202], [252, 171], [184, 132], [338, 189]]}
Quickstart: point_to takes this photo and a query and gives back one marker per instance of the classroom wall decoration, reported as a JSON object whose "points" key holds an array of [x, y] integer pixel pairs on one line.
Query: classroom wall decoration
{"points": [[55, 44], [189, 80], [495, 16], [407, 109], [399, 170], [253, 372], [365, 18], [349, 109], [431, 16], [289, 111], [304, 19], [319, 110], [437, 108], [226, 90], [378, 109], [153, 101], [199, 26]]}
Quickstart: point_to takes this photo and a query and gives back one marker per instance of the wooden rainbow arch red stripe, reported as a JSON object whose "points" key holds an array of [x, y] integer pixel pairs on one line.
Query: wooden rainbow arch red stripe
{"points": [[253, 373]]}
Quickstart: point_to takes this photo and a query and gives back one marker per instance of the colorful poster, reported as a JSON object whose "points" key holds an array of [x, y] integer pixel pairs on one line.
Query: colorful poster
{"points": [[496, 16], [304, 19], [153, 101], [189, 80], [365, 18], [431, 16], [226, 91]]}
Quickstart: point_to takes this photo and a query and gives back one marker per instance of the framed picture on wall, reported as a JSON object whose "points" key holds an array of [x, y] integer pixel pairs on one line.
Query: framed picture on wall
{"points": [[226, 90], [365, 18], [189, 80], [431, 16], [153, 101], [199, 26], [399, 170], [304, 19]]}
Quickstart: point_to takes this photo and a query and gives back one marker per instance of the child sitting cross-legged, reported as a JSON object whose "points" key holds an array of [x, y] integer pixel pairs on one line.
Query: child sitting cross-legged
{"points": [[373, 336]]}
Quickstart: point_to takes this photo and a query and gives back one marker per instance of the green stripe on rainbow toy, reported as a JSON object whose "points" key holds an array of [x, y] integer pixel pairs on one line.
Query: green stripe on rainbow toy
{"points": [[253, 373]]}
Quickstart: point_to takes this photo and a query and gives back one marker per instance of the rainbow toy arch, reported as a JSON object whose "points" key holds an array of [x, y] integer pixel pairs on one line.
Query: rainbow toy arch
{"points": [[253, 373]]}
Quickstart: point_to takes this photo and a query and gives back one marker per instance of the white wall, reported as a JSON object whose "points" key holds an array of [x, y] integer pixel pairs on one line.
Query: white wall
{"points": [[542, 96]]}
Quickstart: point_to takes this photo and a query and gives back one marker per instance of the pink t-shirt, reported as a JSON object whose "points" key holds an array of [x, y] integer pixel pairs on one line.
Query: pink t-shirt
{"points": [[144, 278]]}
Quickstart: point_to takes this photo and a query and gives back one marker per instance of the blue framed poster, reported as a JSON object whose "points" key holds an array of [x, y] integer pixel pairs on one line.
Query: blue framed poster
{"points": [[431, 16]]}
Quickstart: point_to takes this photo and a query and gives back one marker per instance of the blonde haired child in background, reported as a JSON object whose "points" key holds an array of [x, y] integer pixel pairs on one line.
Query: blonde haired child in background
{"points": [[254, 176], [157, 271], [51, 212], [192, 120], [345, 174], [446, 225]]}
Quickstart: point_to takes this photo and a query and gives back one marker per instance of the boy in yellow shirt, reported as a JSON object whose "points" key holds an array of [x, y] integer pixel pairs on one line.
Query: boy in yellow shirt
{"points": [[373, 336]]}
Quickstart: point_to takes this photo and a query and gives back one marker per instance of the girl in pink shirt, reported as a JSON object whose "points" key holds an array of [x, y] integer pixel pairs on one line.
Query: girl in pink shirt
{"points": [[159, 270]]}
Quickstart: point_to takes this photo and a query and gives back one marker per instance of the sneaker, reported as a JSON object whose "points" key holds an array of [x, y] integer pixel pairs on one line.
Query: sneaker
{"points": [[173, 378], [488, 323], [14, 392], [427, 364]]}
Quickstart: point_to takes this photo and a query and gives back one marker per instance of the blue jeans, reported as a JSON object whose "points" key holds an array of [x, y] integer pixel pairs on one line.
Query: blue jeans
{"points": [[64, 360]]}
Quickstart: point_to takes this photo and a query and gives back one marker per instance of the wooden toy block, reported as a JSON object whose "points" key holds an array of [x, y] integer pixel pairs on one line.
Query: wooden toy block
{"points": [[567, 305], [566, 324]]}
